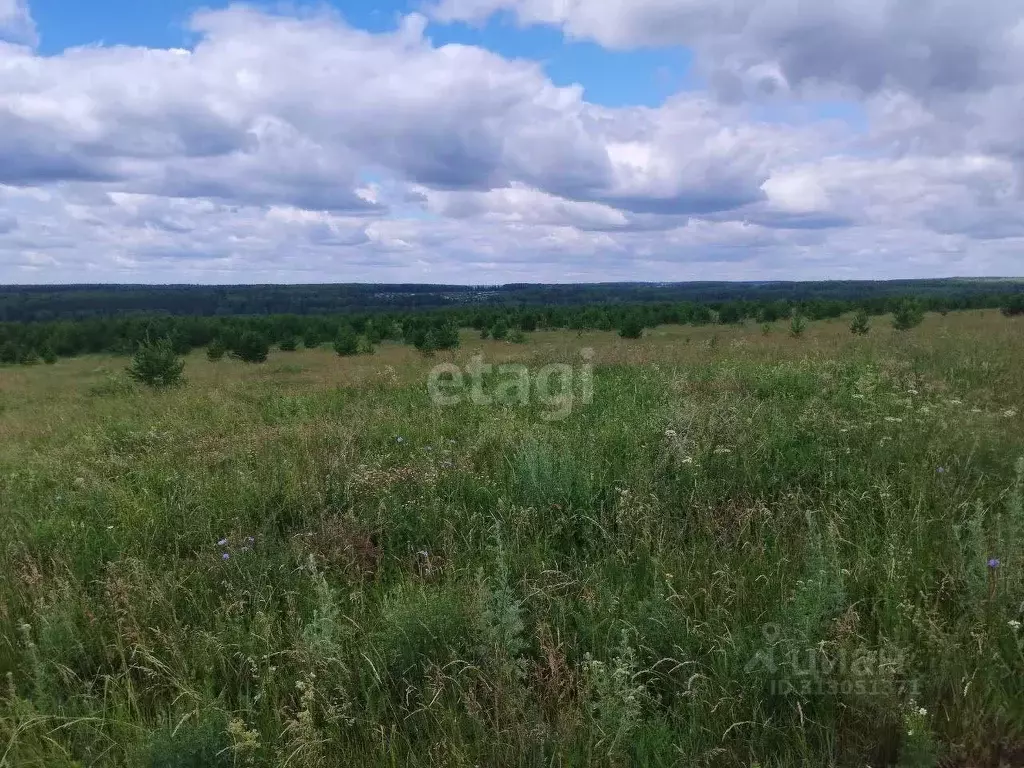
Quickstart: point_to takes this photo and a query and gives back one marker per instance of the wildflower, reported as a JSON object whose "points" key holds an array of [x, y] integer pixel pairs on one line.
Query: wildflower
{"points": [[222, 543], [687, 460], [225, 556], [720, 451], [1010, 413], [250, 540], [993, 563], [941, 470], [400, 439], [911, 391], [670, 433], [893, 420], [922, 711], [956, 402], [1013, 624]]}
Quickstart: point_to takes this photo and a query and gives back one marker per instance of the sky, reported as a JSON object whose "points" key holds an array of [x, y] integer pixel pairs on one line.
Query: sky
{"points": [[494, 141]]}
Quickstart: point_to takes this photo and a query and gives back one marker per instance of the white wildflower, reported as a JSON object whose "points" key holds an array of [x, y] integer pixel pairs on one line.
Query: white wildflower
{"points": [[670, 433], [1010, 413], [893, 420], [1014, 624]]}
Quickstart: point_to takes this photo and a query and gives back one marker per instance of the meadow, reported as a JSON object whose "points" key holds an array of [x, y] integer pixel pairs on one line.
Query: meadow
{"points": [[748, 549]]}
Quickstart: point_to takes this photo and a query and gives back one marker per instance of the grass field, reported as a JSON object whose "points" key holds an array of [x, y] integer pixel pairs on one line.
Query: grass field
{"points": [[748, 549]]}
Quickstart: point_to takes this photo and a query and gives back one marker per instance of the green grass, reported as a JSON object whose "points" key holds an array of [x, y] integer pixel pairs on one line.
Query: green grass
{"points": [[741, 553]]}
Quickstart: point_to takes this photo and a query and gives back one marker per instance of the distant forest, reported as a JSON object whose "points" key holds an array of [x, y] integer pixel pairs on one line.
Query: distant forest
{"points": [[20, 304], [46, 322]]}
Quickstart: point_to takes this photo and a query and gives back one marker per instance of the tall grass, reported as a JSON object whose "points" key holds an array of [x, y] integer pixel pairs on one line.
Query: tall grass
{"points": [[770, 550]]}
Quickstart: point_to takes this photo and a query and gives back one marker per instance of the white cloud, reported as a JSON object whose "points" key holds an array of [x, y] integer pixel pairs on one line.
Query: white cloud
{"points": [[922, 45], [16, 24], [301, 149]]}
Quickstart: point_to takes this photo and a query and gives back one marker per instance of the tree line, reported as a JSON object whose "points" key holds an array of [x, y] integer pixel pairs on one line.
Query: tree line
{"points": [[427, 330], [81, 302]]}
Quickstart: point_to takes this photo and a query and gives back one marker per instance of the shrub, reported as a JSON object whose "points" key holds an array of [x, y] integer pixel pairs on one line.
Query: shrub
{"points": [[517, 337], [860, 325], [1015, 306], [9, 353], [631, 328], [346, 343], [155, 364], [216, 350], [252, 348], [48, 355], [730, 314], [30, 357], [289, 344], [908, 314]]}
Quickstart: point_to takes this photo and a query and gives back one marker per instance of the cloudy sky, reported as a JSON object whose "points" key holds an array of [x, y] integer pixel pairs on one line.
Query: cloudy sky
{"points": [[487, 141]]}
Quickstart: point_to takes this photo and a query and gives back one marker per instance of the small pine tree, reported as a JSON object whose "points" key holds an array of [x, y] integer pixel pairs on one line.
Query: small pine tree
{"points": [[216, 350], [48, 355], [631, 328], [31, 357], [517, 337], [860, 325], [346, 343], [425, 342], [445, 336], [252, 348], [797, 326], [155, 364], [289, 344], [499, 330], [908, 314]]}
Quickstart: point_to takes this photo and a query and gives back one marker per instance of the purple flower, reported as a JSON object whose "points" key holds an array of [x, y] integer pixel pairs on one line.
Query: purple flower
{"points": [[225, 556], [941, 470], [222, 543], [993, 563]]}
